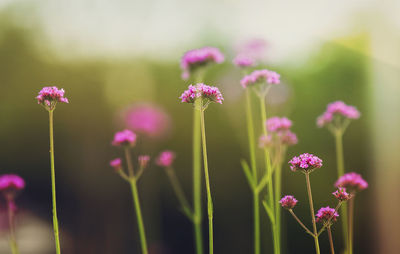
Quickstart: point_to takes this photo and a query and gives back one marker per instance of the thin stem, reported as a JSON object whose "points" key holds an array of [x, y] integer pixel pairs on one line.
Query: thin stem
{"points": [[207, 178], [278, 184], [331, 240], [53, 184], [178, 191], [351, 224], [340, 168], [312, 213], [13, 241], [327, 223], [136, 202], [301, 223], [256, 210]]}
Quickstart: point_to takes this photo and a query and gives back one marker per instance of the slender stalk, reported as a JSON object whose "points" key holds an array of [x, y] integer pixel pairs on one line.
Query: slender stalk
{"points": [[331, 240], [178, 190], [351, 224], [13, 241], [207, 179], [301, 223], [278, 184], [53, 184], [136, 202], [340, 168], [256, 201], [312, 213]]}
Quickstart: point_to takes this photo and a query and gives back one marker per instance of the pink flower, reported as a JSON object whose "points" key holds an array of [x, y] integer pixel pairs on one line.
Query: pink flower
{"points": [[341, 194], [116, 164], [200, 90], [287, 138], [305, 162], [148, 119], [337, 108], [260, 76], [265, 141], [125, 137], [243, 61], [165, 159], [352, 182], [50, 95], [326, 214], [276, 123], [196, 58], [143, 160], [288, 202], [11, 182]]}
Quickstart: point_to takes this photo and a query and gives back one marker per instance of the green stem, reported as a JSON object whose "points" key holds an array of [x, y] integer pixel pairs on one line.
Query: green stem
{"points": [[13, 242], [53, 184], [135, 196], [340, 169], [301, 223], [207, 179], [256, 201], [331, 240], [178, 190], [351, 224], [312, 213], [278, 184]]}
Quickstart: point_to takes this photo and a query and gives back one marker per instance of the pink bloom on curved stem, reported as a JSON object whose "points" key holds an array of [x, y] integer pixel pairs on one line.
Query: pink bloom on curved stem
{"points": [[326, 214], [116, 164], [49, 96], [125, 137], [288, 202], [166, 158], [341, 194], [352, 182], [197, 58], [200, 90], [337, 108], [305, 162]]}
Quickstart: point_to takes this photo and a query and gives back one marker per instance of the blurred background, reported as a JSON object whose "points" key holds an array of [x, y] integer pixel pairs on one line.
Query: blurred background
{"points": [[116, 58]]}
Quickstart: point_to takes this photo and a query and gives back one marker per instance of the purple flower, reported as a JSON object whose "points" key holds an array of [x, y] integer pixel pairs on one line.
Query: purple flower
{"points": [[352, 182], [288, 202], [125, 137], [196, 58], [143, 160], [165, 159], [243, 61], [50, 95], [337, 108], [260, 76], [305, 162], [200, 90], [116, 164], [276, 123], [341, 194], [287, 138], [326, 214], [11, 182]]}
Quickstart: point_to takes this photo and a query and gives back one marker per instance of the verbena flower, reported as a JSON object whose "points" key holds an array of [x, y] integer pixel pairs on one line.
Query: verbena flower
{"points": [[243, 61], [166, 158], [352, 181], [260, 77], [341, 194], [287, 138], [305, 162], [288, 202], [125, 137], [143, 160], [336, 112], [49, 96], [205, 92], [197, 58], [265, 141], [116, 164], [326, 214], [11, 182], [276, 123]]}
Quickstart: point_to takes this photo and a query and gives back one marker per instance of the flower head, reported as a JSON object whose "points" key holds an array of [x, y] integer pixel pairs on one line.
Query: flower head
{"points": [[259, 77], [287, 138], [337, 109], [243, 61], [265, 141], [125, 137], [116, 164], [288, 202], [326, 214], [353, 182], [200, 90], [305, 162], [166, 158], [143, 160], [276, 123], [11, 182], [341, 194], [197, 58], [49, 96]]}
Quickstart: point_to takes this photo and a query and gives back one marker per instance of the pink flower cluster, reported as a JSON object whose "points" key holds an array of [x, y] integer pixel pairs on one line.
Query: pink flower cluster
{"points": [[116, 164], [50, 95], [279, 133], [326, 214], [341, 194], [288, 202], [166, 158], [243, 61], [203, 91], [143, 160], [352, 182], [305, 162], [195, 58], [11, 182], [337, 108], [276, 123], [260, 76], [125, 137]]}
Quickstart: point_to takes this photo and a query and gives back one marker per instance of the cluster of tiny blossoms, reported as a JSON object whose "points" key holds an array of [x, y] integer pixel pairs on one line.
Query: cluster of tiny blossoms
{"points": [[337, 108], [200, 90], [326, 214], [260, 76], [125, 137], [278, 133], [11, 182], [50, 95], [341, 194], [165, 159], [195, 58], [352, 182], [305, 162], [243, 61], [288, 202], [278, 124]]}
